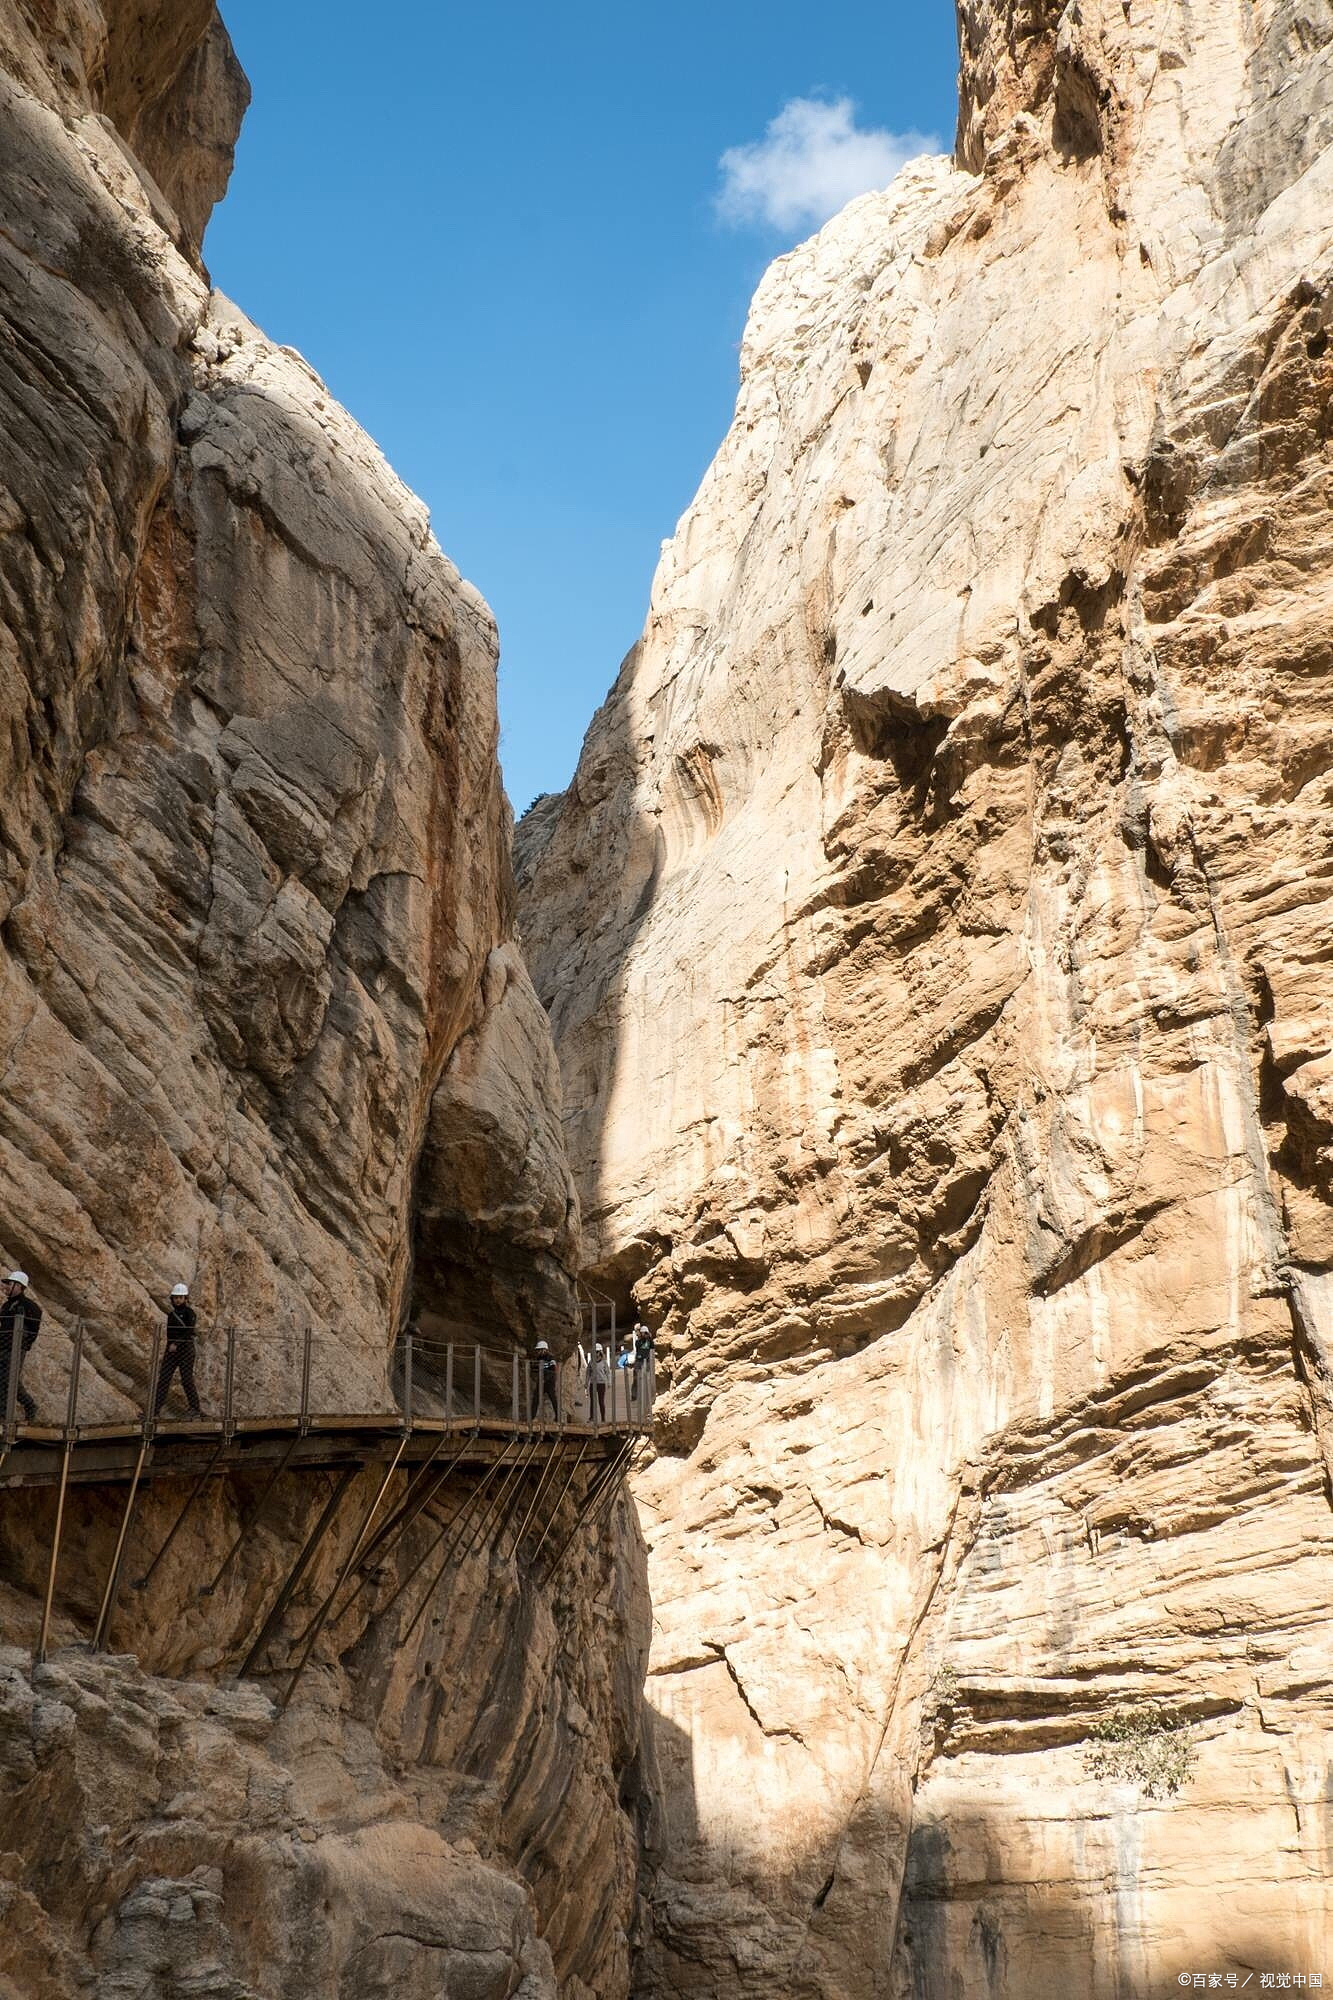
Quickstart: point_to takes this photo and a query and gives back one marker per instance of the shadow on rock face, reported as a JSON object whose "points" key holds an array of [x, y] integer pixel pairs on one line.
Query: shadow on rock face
{"points": [[953, 1923]]}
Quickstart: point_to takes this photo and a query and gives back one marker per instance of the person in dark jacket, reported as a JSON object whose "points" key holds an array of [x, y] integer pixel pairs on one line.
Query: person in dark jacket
{"points": [[644, 1351], [178, 1354], [20, 1324], [546, 1388]]}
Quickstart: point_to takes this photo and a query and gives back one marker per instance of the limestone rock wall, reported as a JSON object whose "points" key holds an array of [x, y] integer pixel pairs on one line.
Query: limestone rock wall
{"points": [[936, 934], [262, 1027], [254, 857]]}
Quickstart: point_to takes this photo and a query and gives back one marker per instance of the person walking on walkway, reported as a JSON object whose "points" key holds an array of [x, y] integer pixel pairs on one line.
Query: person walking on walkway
{"points": [[178, 1354], [20, 1324], [598, 1376], [546, 1387], [643, 1361]]}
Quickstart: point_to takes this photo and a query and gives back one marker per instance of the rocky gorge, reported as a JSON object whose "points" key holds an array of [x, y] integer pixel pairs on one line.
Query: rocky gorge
{"points": [[936, 935], [917, 1007], [264, 1027]]}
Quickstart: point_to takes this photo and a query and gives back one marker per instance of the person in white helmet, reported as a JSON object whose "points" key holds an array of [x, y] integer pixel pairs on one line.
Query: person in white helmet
{"points": [[546, 1388], [178, 1354], [20, 1324], [599, 1374]]}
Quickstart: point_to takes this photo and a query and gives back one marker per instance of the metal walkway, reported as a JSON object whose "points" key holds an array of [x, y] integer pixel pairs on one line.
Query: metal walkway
{"points": [[521, 1462]]}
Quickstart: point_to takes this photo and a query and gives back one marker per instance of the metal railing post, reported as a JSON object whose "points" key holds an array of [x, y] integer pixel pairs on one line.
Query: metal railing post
{"points": [[449, 1382], [529, 1412], [407, 1381], [476, 1381], [154, 1376], [71, 1432], [12, 1385], [514, 1372], [306, 1346]]}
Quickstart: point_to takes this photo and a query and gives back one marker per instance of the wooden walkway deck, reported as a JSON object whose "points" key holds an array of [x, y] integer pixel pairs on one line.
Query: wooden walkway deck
{"points": [[107, 1454], [537, 1485]]}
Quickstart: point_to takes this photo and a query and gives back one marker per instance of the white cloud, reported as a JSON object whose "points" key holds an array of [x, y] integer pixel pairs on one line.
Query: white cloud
{"points": [[810, 163]]}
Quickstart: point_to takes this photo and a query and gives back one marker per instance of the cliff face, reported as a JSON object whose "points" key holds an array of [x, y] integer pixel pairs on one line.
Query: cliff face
{"points": [[262, 1026], [254, 840], [936, 937]]}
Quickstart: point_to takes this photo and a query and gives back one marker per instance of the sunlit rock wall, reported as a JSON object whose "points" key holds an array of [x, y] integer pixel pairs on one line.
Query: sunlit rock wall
{"points": [[936, 934]]}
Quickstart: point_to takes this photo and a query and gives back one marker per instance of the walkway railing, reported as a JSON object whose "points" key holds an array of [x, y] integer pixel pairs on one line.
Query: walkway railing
{"points": [[447, 1408], [254, 1377]]}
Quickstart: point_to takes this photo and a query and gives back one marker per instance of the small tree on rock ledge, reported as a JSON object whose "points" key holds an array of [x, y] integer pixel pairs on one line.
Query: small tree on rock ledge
{"points": [[1145, 1745]]}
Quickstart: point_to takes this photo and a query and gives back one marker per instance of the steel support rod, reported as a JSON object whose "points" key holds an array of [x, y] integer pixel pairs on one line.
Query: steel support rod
{"points": [[507, 1510], [108, 1608], [418, 1498], [142, 1582], [545, 1479], [113, 1574], [560, 1500], [407, 1382], [454, 1525], [476, 1382], [614, 1486], [71, 1432], [321, 1616], [449, 1382], [590, 1519], [298, 1570], [494, 1506], [430, 1549], [585, 1511], [251, 1521]]}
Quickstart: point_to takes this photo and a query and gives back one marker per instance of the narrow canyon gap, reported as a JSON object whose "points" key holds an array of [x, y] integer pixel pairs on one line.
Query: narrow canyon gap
{"points": [[936, 935]]}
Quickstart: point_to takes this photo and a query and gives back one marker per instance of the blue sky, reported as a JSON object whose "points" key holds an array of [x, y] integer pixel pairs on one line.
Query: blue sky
{"points": [[496, 234]]}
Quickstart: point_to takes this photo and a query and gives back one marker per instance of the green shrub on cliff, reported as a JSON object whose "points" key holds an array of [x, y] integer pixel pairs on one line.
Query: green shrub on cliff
{"points": [[1145, 1745]]}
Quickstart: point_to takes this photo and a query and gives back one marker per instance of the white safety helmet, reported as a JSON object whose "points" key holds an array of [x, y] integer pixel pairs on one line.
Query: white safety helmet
{"points": [[180, 1291], [17, 1278], [542, 1348]]}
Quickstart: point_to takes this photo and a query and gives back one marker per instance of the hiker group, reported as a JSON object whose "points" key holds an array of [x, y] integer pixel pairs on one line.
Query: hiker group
{"points": [[635, 1360], [21, 1322], [627, 1370]]}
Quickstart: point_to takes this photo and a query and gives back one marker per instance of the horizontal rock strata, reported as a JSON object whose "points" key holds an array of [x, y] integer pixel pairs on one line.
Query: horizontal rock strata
{"points": [[936, 937]]}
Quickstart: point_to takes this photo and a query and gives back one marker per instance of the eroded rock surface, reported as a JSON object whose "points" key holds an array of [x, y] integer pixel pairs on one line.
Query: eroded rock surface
{"points": [[936, 934], [263, 1027]]}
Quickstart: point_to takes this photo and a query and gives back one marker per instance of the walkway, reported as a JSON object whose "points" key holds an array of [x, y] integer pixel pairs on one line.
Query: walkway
{"points": [[462, 1414]]}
